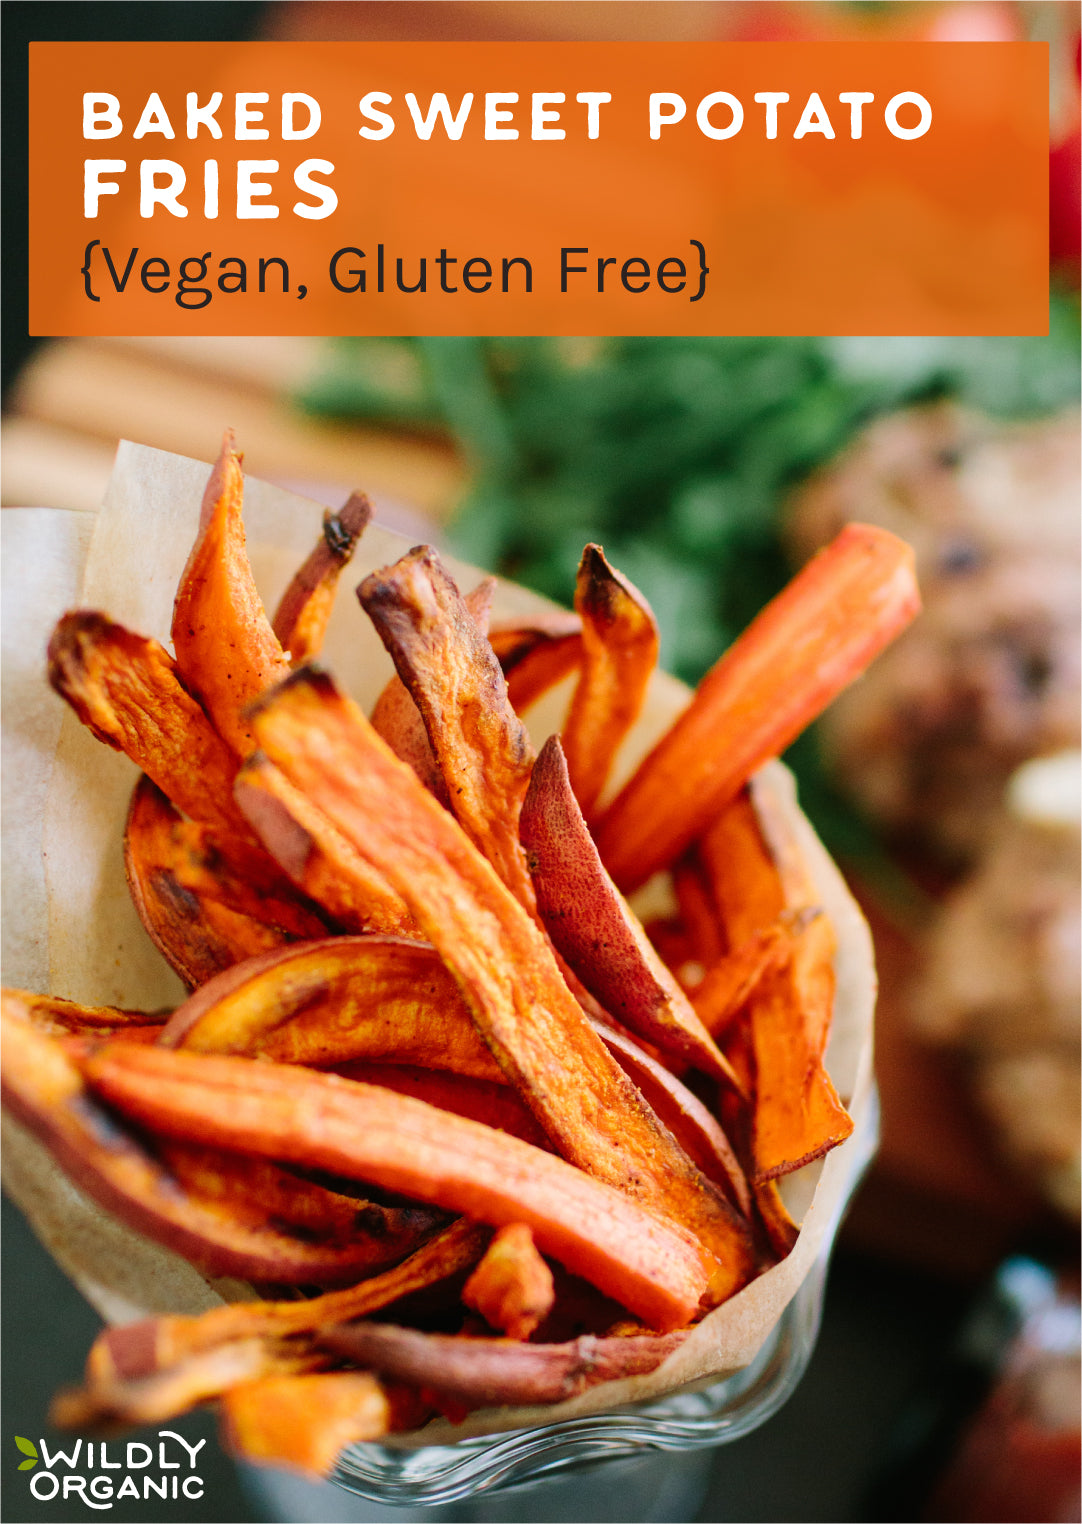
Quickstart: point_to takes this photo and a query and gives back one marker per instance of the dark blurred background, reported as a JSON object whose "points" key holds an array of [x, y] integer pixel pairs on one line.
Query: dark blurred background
{"points": [[708, 468]]}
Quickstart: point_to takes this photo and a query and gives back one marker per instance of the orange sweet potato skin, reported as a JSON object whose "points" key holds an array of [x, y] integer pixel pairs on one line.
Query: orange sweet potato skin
{"points": [[361, 1132]]}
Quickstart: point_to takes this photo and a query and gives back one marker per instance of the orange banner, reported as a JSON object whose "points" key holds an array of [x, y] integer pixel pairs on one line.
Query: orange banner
{"points": [[559, 188]]}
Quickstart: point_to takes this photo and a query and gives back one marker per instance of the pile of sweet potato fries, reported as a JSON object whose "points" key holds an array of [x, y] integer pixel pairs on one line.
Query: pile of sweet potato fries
{"points": [[477, 1135]]}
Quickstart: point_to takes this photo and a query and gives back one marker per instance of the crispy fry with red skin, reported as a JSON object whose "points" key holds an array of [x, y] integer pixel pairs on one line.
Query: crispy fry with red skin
{"points": [[316, 856], [501, 962], [198, 937], [816, 636], [481, 746], [300, 621], [699, 1133], [332, 1002], [133, 1351], [619, 654], [362, 1132], [483, 1373], [398, 720], [64, 1018], [45, 1091], [127, 692], [153, 1399], [596, 930], [302, 1422], [728, 983], [512, 1287], [227, 653]]}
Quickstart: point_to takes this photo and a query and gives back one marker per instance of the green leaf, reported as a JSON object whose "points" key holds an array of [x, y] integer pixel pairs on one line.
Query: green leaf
{"points": [[27, 1465], [27, 1446]]}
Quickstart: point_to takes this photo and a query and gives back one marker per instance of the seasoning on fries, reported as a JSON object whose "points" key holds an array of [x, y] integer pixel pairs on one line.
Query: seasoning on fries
{"points": [[430, 1058]]}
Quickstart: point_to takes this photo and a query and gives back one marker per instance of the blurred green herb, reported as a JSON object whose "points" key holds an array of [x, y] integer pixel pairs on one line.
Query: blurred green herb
{"points": [[674, 453]]}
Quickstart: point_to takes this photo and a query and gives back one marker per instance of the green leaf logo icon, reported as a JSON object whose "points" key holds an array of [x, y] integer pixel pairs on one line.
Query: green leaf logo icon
{"points": [[28, 1447]]}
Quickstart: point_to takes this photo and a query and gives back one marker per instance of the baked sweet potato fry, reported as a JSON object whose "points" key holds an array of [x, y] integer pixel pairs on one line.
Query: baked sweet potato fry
{"points": [[256, 1190], [619, 654], [500, 960], [693, 1126], [595, 929], [197, 936], [535, 657], [398, 720], [697, 913], [300, 621], [167, 1393], [512, 1287], [490, 1101], [362, 1132], [302, 1422], [728, 983], [483, 1373], [807, 645], [127, 692], [452, 674], [227, 652], [332, 1002], [240, 876], [68, 1018], [780, 1229], [316, 856], [797, 1115], [44, 1089], [744, 884]]}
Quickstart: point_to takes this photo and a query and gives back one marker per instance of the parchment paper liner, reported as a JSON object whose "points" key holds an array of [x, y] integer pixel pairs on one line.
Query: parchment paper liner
{"points": [[72, 929]]}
